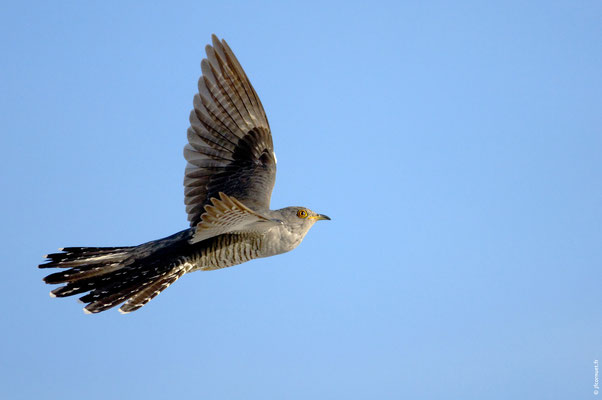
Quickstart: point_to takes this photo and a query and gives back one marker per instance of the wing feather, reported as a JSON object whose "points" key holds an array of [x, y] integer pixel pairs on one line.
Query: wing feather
{"points": [[230, 146], [228, 215]]}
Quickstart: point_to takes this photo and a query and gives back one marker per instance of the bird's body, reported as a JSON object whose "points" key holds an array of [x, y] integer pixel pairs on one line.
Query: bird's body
{"points": [[228, 183]]}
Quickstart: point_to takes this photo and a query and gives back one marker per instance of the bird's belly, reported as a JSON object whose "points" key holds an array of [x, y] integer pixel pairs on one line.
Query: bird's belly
{"points": [[227, 250]]}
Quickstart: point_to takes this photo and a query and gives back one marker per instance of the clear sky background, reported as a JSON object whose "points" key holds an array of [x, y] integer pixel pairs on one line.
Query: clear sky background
{"points": [[457, 147]]}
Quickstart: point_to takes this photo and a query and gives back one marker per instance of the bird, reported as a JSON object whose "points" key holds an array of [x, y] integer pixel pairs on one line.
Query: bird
{"points": [[228, 182]]}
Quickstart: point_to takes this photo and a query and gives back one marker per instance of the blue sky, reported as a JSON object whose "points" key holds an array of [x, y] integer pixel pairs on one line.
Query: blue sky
{"points": [[456, 146]]}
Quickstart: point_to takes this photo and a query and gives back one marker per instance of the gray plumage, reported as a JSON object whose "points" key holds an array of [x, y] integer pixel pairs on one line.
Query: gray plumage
{"points": [[228, 183]]}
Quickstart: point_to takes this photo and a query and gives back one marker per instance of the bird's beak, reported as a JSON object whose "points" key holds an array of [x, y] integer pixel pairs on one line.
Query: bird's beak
{"points": [[319, 217]]}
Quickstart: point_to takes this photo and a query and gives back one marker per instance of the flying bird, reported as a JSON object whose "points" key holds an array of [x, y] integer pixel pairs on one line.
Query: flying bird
{"points": [[228, 182]]}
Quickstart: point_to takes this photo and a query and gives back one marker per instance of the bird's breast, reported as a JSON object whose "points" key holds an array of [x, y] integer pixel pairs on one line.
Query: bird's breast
{"points": [[280, 240], [227, 250]]}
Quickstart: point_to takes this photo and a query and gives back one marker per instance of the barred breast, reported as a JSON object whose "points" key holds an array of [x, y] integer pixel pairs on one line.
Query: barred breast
{"points": [[227, 250]]}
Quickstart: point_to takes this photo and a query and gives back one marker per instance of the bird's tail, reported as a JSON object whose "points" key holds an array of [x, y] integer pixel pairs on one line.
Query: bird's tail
{"points": [[112, 275]]}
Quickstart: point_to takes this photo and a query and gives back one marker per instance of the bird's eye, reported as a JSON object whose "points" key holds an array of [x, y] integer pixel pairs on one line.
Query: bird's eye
{"points": [[302, 214]]}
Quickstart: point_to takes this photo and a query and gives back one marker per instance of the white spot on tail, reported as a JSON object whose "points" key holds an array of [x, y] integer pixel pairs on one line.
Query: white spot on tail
{"points": [[86, 311]]}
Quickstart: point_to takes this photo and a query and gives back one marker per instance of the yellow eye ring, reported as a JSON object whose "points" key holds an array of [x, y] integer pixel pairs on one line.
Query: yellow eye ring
{"points": [[302, 213]]}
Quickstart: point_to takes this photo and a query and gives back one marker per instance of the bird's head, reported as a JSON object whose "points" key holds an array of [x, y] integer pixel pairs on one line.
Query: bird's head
{"points": [[300, 219]]}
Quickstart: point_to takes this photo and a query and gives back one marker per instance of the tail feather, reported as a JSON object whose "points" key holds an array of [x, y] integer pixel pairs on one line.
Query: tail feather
{"points": [[112, 275], [86, 257], [141, 298], [80, 274], [128, 281], [103, 300]]}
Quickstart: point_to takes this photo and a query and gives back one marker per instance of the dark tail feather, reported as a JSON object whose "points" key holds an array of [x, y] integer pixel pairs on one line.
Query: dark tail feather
{"points": [[79, 256], [152, 290], [113, 275]]}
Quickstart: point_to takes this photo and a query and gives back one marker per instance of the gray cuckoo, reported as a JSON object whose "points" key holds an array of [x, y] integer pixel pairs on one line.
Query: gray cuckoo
{"points": [[228, 183]]}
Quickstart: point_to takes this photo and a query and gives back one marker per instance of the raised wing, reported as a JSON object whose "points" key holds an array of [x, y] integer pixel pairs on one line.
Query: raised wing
{"points": [[230, 147], [228, 215]]}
